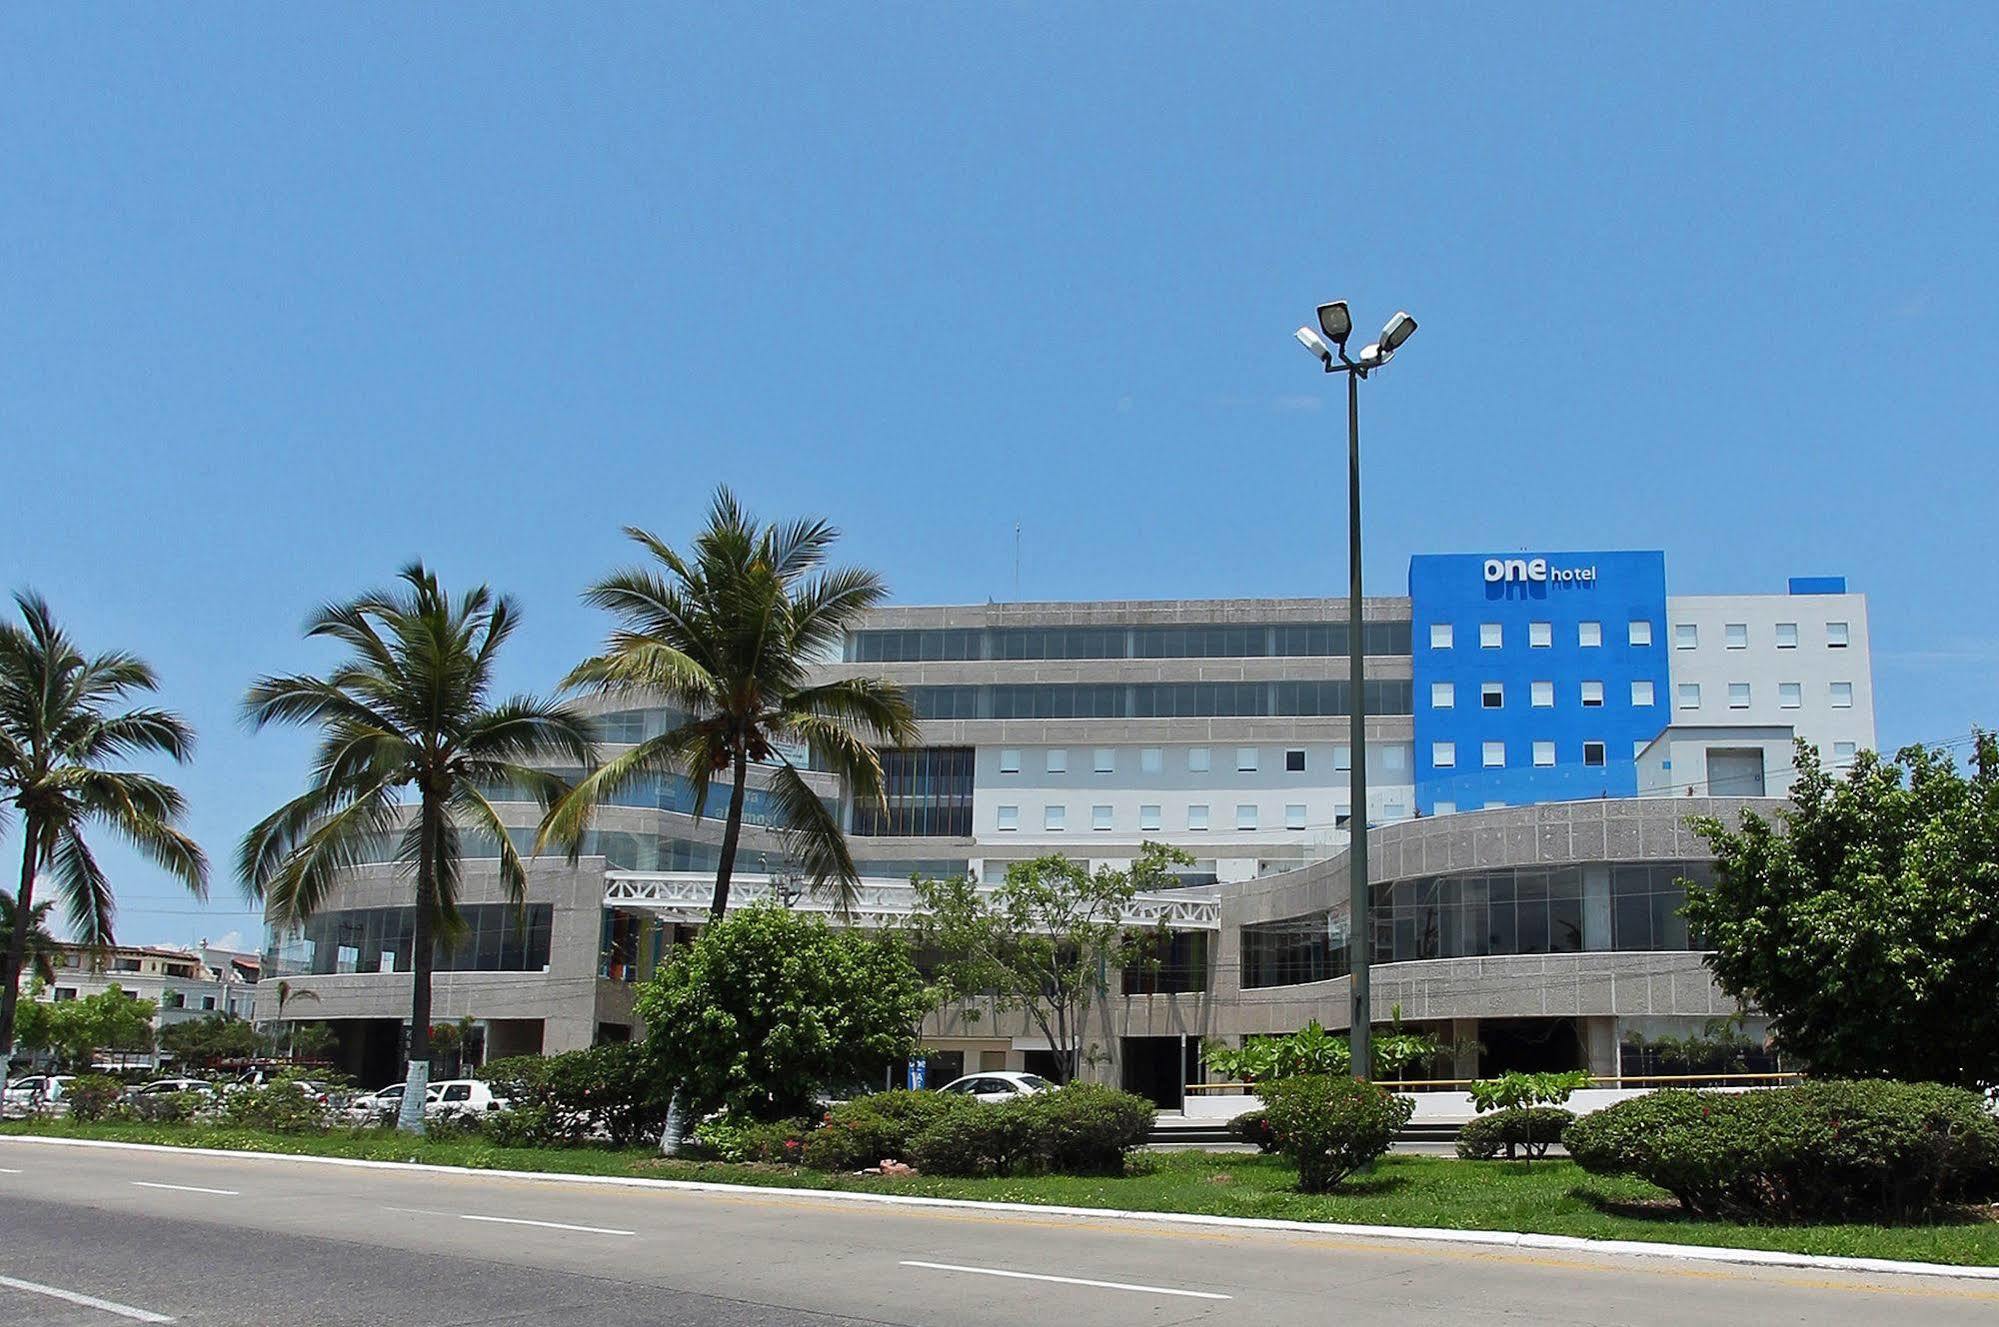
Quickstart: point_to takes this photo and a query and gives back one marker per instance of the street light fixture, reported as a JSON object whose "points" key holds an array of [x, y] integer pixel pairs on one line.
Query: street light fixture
{"points": [[1337, 324]]}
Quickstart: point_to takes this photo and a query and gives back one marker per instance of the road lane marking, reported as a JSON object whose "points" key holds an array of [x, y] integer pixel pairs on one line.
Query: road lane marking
{"points": [[8, 1170], [88, 1301], [515, 1221], [1065, 1280], [188, 1188]]}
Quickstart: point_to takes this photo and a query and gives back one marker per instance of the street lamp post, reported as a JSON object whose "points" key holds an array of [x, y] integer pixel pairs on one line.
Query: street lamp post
{"points": [[1337, 325]]}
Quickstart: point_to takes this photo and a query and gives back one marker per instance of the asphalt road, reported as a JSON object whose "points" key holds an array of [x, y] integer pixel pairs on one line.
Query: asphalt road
{"points": [[270, 1242]]}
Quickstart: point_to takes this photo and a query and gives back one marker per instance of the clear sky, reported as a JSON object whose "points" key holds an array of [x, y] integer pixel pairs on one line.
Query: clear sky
{"points": [[285, 301]]}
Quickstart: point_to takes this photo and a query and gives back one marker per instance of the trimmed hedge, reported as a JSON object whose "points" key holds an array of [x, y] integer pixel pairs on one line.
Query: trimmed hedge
{"points": [[1330, 1126], [1830, 1151], [1086, 1128], [881, 1127], [1081, 1129], [1516, 1129], [764, 1142], [612, 1090], [1253, 1128], [280, 1106]]}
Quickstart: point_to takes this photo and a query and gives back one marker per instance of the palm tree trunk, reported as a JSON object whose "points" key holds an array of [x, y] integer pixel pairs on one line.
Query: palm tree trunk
{"points": [[17, 945], [732, 831], [416, 1077]]}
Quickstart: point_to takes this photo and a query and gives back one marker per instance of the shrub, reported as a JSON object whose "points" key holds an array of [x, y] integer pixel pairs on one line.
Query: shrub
{"points": [[1253, 1127], [1820, 1151], [880, 1127], [1332, 1126], [92, 1096], [610, 1090], [281, 1106], [980, 1139], [1531, 1129], [1086, 1128], [734, 1139], [168, 1107]]}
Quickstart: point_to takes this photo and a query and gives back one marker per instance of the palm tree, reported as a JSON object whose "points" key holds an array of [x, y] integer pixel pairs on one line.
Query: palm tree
{"points": [[727, 635], [42, 948], [409, 709], [62, 719]]}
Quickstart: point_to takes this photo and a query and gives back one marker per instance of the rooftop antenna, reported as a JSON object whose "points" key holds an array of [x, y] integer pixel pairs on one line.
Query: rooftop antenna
{"points": [[1016, 561]]}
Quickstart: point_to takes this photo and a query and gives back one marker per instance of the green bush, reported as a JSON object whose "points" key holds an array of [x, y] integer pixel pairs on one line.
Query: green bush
{"points": [[1086, 1128], [1332, 1126], [92, 1096], [280, 1106], [613, 1090], [1517, 1129], [168, 1107], [1818, 1152], [1253, 1127], [997, 1138], [880, 1127], [734, 1139]]}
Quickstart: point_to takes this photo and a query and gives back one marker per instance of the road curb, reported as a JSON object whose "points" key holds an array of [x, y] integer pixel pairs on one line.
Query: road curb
{"points": [[1505, 1239]]}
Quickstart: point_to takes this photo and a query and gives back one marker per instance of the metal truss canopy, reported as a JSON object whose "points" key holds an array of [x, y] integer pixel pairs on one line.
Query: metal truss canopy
{"points": [[684, 896]]}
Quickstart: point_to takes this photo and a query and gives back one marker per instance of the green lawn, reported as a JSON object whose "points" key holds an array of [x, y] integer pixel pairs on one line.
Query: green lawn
{"points": [[1555, 1197]]}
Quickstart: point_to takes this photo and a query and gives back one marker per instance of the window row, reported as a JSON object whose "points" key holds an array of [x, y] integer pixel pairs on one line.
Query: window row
{"points": [[1197, 641], [1493, 755], [1199, 759], [1540, 635], [1790, 695], [1540, 695], [1103, 818], [497, 937], [1735, 635], [1155, 700]]}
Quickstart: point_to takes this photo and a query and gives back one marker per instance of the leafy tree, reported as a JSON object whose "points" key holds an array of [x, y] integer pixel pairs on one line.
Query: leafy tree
{"points": [[1313, 1050], [209, 1041], [62, 721], [41, 949], [1864, 919], [75, 1030], [310, 1041], [727, 635], [766, 1007], [1524, 1092], [1044, 940], [410, 709]]}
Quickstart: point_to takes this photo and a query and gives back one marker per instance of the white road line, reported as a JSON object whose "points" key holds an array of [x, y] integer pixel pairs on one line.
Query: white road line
{"points": [[187, 1188], [8, 1170], [514, 1221], [88, 1301], [1066, 1280]]}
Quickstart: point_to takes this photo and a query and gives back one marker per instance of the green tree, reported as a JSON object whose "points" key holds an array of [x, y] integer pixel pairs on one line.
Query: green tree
{"points": [[1864, 918], [727, 635], [41, 949], [63, 719], [409, 711], [75, 1030], [1312, 1050], [767, 1007], [1042, 941], [208, 1041]]}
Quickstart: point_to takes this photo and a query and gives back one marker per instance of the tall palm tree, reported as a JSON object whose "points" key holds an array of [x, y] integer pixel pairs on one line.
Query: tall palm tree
{"points": [[62, 719], [727, 635], [408, 712], [42, 948]]}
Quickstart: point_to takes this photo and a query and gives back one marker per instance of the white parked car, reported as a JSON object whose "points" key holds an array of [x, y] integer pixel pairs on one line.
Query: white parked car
{"points": [[384, 1103], [37, 1092], [456, 1097], [997, 1085], [168, 1086]]}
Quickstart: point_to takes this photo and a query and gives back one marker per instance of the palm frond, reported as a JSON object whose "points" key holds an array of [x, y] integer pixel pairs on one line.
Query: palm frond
{"points": [[812, 835], [85, 891]]}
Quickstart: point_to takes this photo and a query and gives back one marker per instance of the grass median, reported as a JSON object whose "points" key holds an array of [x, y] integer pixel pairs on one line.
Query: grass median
{"points": [[1554, 1197]]}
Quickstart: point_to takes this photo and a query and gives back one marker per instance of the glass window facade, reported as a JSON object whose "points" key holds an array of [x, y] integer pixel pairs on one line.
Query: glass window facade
{"points": [[1292, 952], [378, 940], [928, 791], [1155, 700], [1194, 641], [1168, 963]]}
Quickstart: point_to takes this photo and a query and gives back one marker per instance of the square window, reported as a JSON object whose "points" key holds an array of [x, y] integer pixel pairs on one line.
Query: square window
{"points": [[1058, 760], [1245, 815], [1054, 818], [1790, 695], [1842, 695], [1105, 761], [1842, 752], [1544, 754], [1738, 695], [1735, 635], [1641, 631], [1245, 760], [1342, 758], [1393, 757], [1148, 817], [1294, 816], [1490, 637], [1641, 693], [1540, 635], [1008, 817], [1589, 633], [1835, 635], [1294, 761], [1100, 817], [1541, 695], [1494, 755], [1592, 694], [1593, 753], [1690, 695], [1197, 760], [1197, 817], [1443, 695], [1151, 760], [1686, 635], [1010, 760], [1440, 635], [1443, 808], [1787, 635], [1444, 755], [1491, 695]]}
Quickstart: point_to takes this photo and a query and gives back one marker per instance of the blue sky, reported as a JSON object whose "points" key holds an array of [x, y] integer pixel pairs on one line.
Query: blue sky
{"points": [[288, 302]]}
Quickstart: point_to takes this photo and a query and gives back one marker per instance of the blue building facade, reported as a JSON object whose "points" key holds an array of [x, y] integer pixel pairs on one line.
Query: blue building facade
{"points": [[1537, 676]]}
